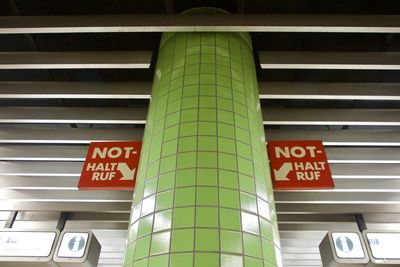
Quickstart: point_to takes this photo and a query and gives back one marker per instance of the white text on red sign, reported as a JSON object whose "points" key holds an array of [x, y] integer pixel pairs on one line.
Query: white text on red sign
{"points": [[303, 170], [107, 171]]}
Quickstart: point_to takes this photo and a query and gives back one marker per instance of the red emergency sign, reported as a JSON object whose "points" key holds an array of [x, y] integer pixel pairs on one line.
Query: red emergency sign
{"points": [[299, 165], [110, 165]]}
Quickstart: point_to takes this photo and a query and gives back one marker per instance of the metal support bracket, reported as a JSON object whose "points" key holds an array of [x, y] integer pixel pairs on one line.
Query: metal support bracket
{"points": [[360, 222], [11, 219]]}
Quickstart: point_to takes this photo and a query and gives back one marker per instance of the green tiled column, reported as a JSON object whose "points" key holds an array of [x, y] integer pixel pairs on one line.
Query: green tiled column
{"points": [[204, 196]]}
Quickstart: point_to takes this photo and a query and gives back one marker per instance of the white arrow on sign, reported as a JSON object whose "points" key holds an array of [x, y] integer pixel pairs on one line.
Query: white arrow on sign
{"points": [[281, 174], [127, 173]]}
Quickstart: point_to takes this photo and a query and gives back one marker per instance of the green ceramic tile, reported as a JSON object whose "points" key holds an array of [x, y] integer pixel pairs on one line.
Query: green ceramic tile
{"points": [[155, 154], [168, 164], [229, 219], [166, 181], [190, 90], [251, 262], [207, 90], [145, 225], [226, 130], [227, 161], [207, 78], [172, 119], [133, 230], [207, 128], [142, 248], [248, 202], [268, 249], [208, 177], [162, 220], [150, 187], [245, 166], [188, 115], [152, 169], [207, 240], [190, 102], [250, 223], [169, 148], [206, 259], [226, 145], [183, 217], [224, 104], [206, 217], [207, 196], [181, 259], [182, 240], [186, 177], [231, 241], [252, 245], [141, 263], [185, 196], [170, 133], [157, 261], [207, 143], [160, 243], [247, 184], [187, 160], [207, 114], [225, 116], [228, 179], [187, 144], [228, 260], [130, 249], [164, 200], [206, 159], [228, 198], [266, 229]]}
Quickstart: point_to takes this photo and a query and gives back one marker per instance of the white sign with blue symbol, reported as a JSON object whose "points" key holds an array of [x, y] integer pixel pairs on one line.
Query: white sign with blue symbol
{"points": [[73, 245], [348, 246], [384, 246], [26, 244]]}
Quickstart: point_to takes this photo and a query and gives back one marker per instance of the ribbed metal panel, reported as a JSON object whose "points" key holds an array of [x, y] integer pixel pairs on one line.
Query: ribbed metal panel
{"points": [[41, 151]]}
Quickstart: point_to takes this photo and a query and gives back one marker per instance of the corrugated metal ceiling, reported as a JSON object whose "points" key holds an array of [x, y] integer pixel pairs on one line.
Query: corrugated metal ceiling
{"points": [[52, 106]]}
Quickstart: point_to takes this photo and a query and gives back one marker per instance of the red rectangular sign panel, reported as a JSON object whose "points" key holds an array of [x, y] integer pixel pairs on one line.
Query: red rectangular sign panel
{"points": [[299, 165], [110, 165]]}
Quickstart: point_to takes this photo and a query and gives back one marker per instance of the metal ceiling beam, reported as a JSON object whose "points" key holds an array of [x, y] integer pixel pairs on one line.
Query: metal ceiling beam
{"points": [[141, 90], [67, 135], [65, 206], [339, 137], [330, 60], [75, 90], [307, 208], [367, 117], [329, 91], [135, 115], [349, 185], [203, 22], [39, 182], [142, 59], [78, 153], [281, 197], [42, 153], [380, 138], [339, 171], [67, 195], [76, 60], [119, 207], [363, 155], [41, 169], [332, 197]]}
